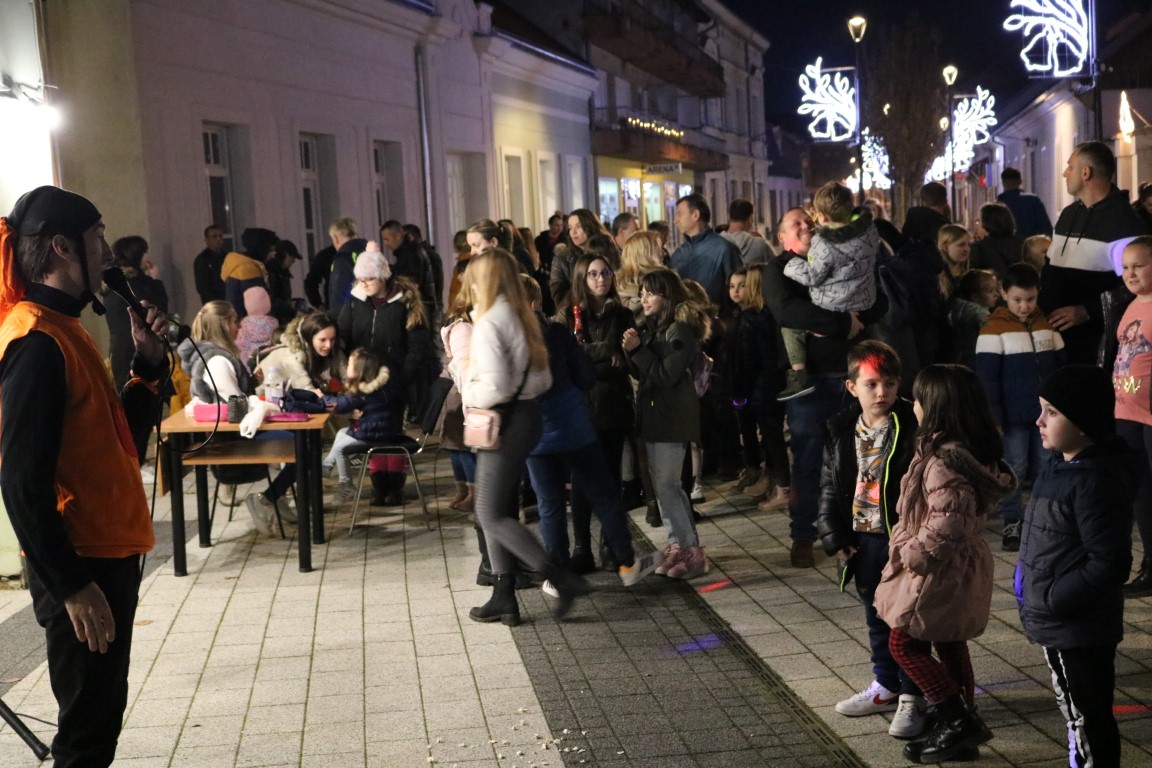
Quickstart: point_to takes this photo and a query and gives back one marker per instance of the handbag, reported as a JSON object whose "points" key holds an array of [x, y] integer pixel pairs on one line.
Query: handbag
{"points": [[303, 401], [482, 426]]}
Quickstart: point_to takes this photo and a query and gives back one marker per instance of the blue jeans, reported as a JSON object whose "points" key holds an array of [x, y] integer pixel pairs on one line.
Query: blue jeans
{"points": [[870, 558], [463, 466], [806, 418], [589, 471], [1025, 454], [286, 478]]}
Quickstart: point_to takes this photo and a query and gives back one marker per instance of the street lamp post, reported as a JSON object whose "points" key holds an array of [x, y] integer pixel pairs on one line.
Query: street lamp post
{"points": [[950, 73], [856, 27]]}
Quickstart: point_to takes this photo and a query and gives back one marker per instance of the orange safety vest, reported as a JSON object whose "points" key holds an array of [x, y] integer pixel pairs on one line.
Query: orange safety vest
{"points": [[98, 487]]}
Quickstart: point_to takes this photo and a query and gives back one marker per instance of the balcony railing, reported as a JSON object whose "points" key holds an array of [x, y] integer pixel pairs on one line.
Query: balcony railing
{"points": [[648, 138], [631, 32]]}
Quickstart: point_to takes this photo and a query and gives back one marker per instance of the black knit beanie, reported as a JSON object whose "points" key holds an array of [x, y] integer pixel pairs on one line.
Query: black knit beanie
{"points": [[1085, 395]]}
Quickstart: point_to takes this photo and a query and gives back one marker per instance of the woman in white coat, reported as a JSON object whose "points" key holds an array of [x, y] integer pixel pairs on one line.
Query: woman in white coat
{"points": [[508, 369]]}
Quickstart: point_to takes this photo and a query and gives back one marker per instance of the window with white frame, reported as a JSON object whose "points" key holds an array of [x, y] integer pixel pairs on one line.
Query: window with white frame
{"points": [[217, 169], [549, 196], [388, 180], [310, 192], [574, 175]]}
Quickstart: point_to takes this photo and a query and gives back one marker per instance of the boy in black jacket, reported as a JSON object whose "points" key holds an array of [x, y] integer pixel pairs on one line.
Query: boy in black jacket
{"points": [[868, 449], [1075, 553]]}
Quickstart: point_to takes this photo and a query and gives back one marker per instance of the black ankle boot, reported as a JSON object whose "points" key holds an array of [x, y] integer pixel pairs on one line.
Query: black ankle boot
{"points": [[395, 495], [502, 606], [1141, 586], [380, 486], [652, 516], [569, 586], [958, 730]]}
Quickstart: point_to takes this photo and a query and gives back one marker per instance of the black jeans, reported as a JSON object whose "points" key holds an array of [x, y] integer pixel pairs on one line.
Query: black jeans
{"points": [[870, 558], [91, 689], [611, 444]]}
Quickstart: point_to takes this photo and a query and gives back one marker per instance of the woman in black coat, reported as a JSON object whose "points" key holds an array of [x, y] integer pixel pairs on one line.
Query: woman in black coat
{"points": [[385, 315], [602, 322]]}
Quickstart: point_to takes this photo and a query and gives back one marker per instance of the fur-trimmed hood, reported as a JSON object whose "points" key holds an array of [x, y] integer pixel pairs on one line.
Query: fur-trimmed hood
{"points": [[368, 387], [292, 339]]}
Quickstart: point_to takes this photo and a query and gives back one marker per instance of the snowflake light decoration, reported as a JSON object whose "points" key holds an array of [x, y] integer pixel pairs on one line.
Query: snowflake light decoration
{"points": [[875, 165], [1059, 44], [972, 119], [831, 101]]}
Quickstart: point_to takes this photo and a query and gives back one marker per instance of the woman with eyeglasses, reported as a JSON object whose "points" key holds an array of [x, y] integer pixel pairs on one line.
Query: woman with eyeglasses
{"points": [[659, 355], [598, 320], [385, 314]]}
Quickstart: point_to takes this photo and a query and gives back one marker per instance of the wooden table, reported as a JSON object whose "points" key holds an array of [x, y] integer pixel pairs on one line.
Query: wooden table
{"points": [[304, 450]]}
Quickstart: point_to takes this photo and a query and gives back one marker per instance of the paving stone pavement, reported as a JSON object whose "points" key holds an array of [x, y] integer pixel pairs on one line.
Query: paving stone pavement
{"points": [[371, 659]]}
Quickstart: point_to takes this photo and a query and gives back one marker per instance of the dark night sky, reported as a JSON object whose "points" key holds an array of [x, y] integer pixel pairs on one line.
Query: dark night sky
{"points": [[972, 39]]}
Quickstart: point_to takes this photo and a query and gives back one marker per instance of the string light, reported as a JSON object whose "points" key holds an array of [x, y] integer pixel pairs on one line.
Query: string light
{"points": [[830, 100], [655, 126], [1058, 35]]}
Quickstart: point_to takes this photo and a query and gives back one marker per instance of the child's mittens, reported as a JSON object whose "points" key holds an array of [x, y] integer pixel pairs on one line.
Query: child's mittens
{"points": [[257, 410]]}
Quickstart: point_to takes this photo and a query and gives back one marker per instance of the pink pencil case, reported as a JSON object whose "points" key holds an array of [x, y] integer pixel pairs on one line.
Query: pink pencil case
{"points": [[210, 412]]}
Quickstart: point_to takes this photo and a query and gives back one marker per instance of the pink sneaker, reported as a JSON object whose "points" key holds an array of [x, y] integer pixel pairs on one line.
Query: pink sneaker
{"points": [[672, 554], [692, 563]]}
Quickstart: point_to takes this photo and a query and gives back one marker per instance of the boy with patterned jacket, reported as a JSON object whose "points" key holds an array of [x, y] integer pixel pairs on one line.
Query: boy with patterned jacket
{"points": [[869, 447], [1016, 349]]}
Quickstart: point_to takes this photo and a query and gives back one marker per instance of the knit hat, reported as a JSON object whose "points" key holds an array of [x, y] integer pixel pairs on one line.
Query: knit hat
{"points": [[1084, 394], [371, 263], [257, 301], [43, 211]]}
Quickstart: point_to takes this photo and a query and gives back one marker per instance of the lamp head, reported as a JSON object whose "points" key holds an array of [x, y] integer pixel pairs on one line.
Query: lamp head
{"points": [[950, 73], [856, 27]]}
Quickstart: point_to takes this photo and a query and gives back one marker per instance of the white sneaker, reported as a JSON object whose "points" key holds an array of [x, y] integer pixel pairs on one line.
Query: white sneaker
{"points": [[870, 701], [697, 494], [261, 512], [641, 567], [347, 490], [549, 590], [911, 714]]}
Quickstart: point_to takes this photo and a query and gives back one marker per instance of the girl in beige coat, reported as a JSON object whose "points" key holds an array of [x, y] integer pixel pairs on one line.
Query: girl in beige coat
{"points": [[936, 591]]}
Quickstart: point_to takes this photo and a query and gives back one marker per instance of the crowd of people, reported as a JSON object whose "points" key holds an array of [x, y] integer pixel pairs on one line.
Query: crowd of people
{"points": [[890, 389]]}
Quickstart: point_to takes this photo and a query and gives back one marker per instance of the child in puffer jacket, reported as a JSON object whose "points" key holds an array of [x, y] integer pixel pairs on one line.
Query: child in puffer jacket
{"points": [[364, 392], [1075, 553]]}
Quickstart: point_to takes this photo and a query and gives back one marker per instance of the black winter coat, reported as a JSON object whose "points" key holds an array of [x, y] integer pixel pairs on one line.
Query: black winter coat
{"points": [[1076, 548], [383, 330], [839, 472], [611, 396], [668, 410], [759, 375]]}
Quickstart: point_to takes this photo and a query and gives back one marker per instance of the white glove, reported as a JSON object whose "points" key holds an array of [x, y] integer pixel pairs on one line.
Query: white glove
{"points": [[257, 410]]}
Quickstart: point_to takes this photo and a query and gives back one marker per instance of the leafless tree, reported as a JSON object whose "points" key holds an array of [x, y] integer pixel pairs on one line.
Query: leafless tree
{"points": [[904, 99]]}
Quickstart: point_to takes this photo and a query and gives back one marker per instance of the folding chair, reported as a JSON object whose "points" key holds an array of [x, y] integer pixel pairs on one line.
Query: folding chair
{"points": [[403, 445]]}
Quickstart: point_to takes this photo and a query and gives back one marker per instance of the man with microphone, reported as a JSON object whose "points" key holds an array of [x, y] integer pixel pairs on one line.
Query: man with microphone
{"points": [[69, 468]]}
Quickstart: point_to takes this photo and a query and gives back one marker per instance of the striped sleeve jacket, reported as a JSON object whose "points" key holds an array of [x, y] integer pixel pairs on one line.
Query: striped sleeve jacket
{"points": [[1011, 359]]}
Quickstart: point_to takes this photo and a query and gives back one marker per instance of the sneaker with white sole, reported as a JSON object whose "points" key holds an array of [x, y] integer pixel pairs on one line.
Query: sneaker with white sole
{"points": [[697, 494], [910, 718], [643, 565], [871, 701], [692, 563], [672, 553], [549, 590], [347, 490], [262, 512]]}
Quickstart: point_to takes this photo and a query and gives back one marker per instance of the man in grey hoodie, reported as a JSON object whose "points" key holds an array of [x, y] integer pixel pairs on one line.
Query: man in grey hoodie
{"points": [[742, 234]]}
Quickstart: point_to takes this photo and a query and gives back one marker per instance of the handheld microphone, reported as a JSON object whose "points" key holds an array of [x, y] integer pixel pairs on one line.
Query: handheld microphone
{"points": [[116, 281]]}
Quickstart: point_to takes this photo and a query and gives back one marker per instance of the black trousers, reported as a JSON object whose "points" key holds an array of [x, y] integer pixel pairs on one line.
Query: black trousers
{"points": [[91, 689], [1085, 684]]}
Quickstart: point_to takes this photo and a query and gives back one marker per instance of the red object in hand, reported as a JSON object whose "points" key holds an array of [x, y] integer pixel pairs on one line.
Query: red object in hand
{"points": [[578, 324]]}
